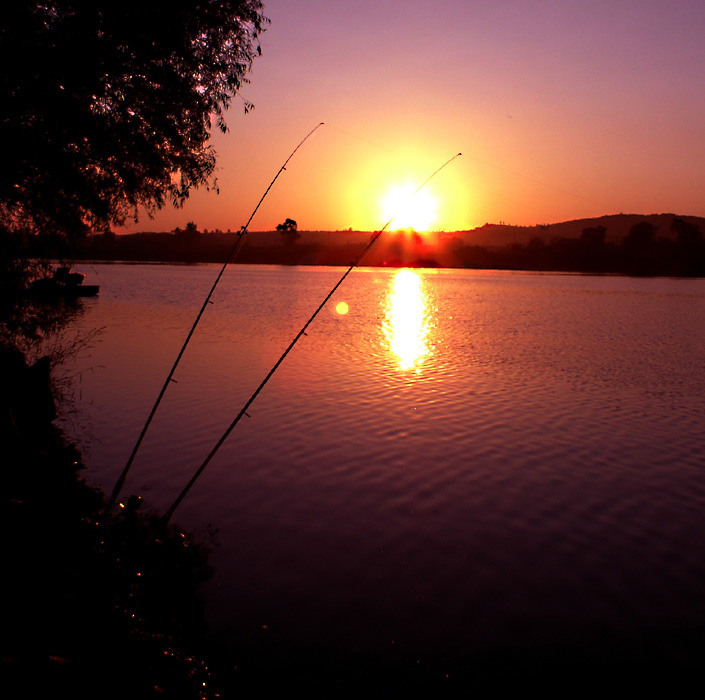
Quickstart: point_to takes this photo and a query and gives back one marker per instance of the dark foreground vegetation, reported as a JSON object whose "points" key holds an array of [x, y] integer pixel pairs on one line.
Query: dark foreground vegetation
{"points": [[633, 245], [91, 606]]}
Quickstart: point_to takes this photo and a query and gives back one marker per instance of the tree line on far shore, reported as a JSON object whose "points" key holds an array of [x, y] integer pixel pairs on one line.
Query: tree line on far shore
{"points": [[640, 252], [679, 252]]}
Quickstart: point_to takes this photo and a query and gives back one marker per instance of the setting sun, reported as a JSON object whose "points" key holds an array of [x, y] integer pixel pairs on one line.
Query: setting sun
{"points": [[408, 208]]}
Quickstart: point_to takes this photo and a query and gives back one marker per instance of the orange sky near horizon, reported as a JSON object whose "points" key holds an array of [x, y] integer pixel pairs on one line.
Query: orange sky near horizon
{"points": [[562, 110]]}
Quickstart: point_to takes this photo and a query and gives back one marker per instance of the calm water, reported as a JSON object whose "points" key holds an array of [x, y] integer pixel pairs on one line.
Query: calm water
{"points": [[463, 461]]}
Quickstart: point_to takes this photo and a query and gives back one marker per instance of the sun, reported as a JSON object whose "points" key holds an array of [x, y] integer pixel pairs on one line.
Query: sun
{"points": [[408, 208]]}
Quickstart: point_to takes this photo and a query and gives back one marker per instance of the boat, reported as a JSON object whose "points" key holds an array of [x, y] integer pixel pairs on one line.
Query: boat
{"points": [[64, 283]]}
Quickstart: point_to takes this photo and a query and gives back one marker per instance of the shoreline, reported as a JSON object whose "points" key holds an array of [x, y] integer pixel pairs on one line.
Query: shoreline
{"points": [[90, 602]]}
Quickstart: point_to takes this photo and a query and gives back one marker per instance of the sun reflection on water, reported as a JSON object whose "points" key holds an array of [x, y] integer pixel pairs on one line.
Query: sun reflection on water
{"points": [[406, 320]]}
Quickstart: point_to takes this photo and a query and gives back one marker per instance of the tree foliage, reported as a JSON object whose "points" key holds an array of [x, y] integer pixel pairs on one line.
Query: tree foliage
{"points": [[289, 231], [108, 106], [288, 225]]}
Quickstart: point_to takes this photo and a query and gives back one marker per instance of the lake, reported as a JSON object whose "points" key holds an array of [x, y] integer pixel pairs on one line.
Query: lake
{"points": [[451, 464]]}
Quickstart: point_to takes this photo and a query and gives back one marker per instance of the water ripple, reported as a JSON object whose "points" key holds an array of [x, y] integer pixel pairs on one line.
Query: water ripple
{"points": [[539, 473]]}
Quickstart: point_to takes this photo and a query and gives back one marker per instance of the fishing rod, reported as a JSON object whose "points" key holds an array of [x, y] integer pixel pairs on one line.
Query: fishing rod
{"points": [[230, 258], [243, 411]]}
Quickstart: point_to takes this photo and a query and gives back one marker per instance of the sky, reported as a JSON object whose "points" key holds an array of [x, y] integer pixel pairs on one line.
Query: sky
{"points": [[562, 109]]}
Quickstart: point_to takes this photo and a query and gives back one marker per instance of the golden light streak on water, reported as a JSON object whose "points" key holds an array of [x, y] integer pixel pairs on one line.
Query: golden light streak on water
{"points": [[406, 321]]}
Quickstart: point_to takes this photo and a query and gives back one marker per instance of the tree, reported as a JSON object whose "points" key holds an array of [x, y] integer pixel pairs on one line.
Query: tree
{"points": [[191, 230], [640, 236], [641, 249], [108, 106], [687, 234], [289, 231], [594, 236], [689, 249], [288, 225]]}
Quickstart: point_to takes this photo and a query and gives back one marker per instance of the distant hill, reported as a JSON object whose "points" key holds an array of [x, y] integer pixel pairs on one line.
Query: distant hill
{"points": [[617, 228], [617, 225]]}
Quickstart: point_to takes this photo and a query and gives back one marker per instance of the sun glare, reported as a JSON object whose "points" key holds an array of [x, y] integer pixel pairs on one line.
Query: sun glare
{"points": [[408, 208], [406, 323]]}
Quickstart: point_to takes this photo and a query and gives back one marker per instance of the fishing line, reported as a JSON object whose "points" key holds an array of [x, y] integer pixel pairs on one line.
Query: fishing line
{"points": [[230, 258], [361, 138], [543, 184], [166, 517]]}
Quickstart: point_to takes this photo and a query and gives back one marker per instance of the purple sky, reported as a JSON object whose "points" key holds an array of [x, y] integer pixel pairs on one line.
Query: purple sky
{"points": [[562, 109]]}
